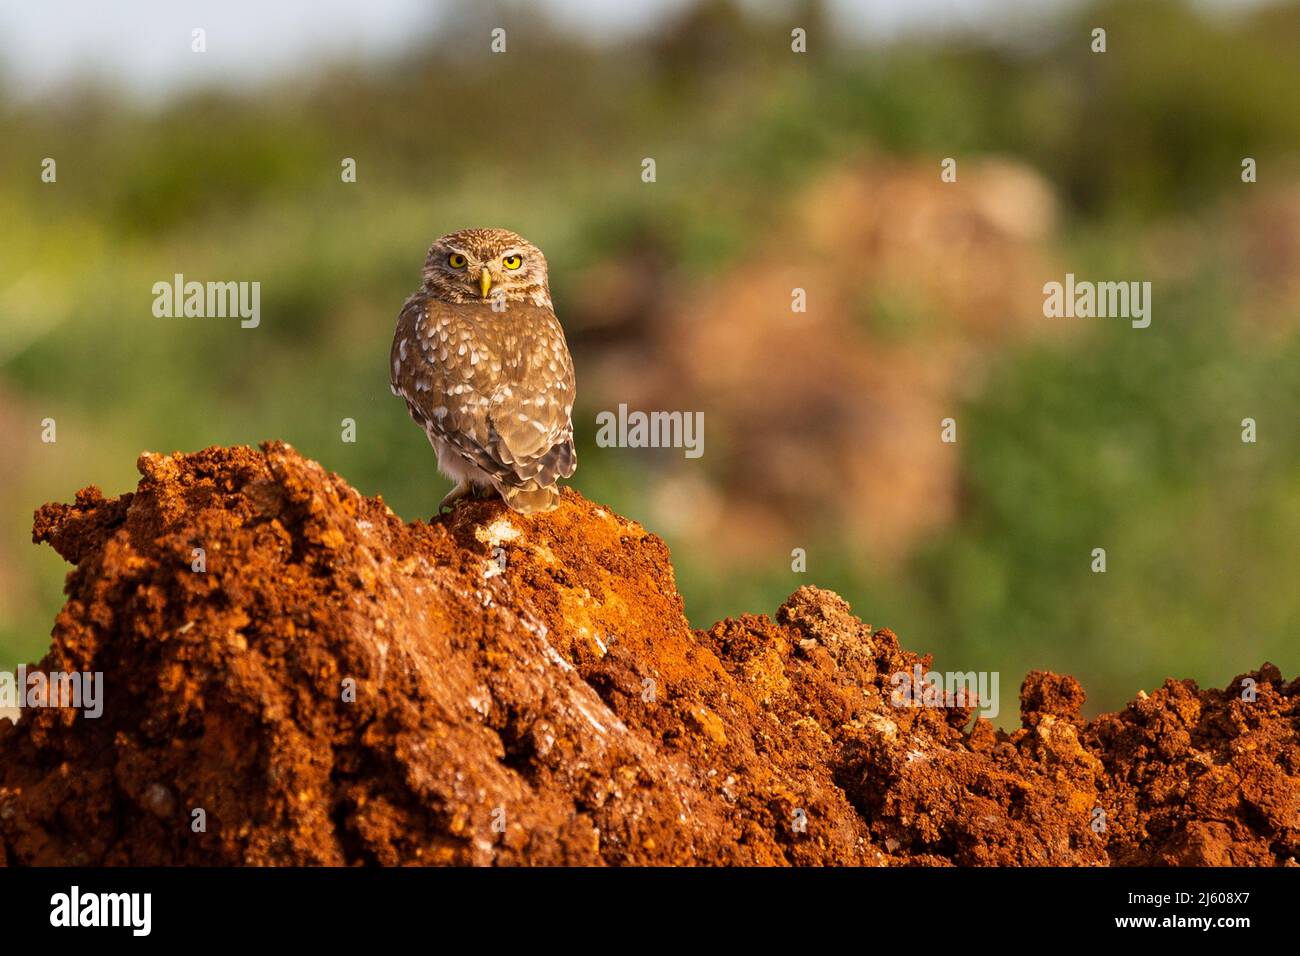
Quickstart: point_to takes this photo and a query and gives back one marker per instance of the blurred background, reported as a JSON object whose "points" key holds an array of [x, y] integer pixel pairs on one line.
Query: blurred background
{"points": [[775, 170]]}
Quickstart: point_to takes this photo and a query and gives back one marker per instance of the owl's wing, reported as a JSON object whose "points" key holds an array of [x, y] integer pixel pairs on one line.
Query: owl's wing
{"points": [[496, 387], [532, 414]]}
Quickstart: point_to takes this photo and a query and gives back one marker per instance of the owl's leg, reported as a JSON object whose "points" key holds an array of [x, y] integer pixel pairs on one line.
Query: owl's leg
{"points": [[462, 489]]}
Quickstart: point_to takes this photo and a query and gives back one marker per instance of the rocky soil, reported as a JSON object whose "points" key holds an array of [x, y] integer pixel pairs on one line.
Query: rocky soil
{"points": [[338, 687]]}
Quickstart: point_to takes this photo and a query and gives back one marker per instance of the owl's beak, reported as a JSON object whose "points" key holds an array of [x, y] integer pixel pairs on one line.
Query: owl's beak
{"points": [[485, 282]]}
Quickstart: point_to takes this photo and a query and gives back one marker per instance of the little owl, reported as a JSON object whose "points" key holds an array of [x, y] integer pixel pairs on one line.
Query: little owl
{"points": [[481, 361]]}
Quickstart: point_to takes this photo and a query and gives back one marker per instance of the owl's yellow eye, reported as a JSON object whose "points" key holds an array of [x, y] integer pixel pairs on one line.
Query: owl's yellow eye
{"points": [[512, 262], [456, 260]]}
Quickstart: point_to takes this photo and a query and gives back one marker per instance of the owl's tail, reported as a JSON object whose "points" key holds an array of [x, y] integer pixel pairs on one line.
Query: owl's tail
{"points": [[528, 500]]}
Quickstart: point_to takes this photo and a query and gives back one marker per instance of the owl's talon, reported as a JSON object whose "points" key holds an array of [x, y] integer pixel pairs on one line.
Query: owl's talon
{"points": [[461, 490]]}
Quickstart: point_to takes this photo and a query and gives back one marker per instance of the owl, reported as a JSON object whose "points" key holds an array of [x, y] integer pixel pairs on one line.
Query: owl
{"points": [[481, 361]]}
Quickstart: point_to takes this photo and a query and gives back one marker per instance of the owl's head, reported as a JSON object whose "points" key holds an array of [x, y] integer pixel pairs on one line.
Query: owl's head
{"points": [[479, 264]]}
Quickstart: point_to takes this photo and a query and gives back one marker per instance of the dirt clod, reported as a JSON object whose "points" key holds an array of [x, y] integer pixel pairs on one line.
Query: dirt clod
{"points": [[333, 686]]}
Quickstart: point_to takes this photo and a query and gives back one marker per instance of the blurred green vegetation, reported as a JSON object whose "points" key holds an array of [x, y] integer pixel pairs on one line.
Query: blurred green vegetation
{"points": [[1121, 438]]}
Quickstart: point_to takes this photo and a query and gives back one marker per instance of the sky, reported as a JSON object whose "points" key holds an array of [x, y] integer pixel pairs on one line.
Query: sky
{"points": [[143, 46]]}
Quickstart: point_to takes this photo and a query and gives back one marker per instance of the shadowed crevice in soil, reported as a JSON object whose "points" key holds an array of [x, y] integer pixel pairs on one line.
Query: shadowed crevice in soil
{"points": [[339, 687]]}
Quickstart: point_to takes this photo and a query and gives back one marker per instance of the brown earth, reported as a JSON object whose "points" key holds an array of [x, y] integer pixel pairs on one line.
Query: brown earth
{"points": [[527, 690]]}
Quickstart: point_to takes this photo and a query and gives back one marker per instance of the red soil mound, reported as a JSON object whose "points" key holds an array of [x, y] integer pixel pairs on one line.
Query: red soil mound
{"points": [[527, 690]]}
